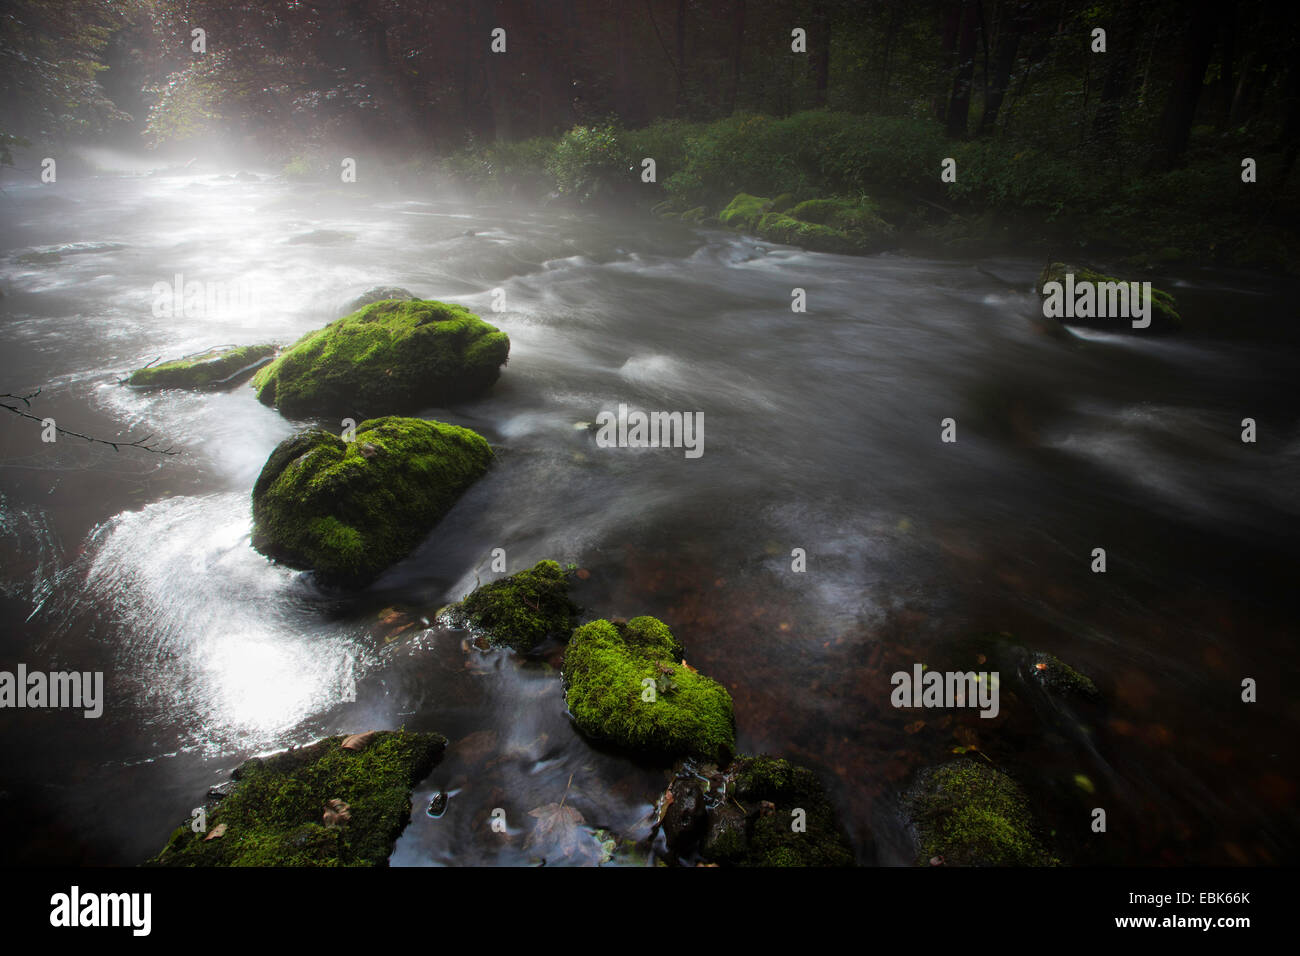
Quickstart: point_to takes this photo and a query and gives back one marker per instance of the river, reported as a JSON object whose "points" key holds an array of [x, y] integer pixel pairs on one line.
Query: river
{"points": [[822, 433]]}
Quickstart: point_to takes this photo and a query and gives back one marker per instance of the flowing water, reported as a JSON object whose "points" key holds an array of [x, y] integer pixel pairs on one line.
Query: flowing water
{"points": [[822, 432]]}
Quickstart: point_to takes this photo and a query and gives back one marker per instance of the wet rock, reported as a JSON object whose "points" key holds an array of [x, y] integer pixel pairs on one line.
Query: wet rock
{"points": [[389, 355], [273, 816], [320, 505], [685, 818], [215, 369], [521, 610], [626, 684], [726, 835]]}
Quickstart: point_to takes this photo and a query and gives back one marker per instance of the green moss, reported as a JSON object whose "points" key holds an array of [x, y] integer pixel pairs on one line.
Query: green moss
{"points": [[347, 510], [694, 216], [782, 203], [522, 610], [778, 227], [840, 214], [1164, 314], [213, 369], [772, 840], [973, 815], [274, 816], [390, 355], [604, 667], [744, 211], [1060, 677]]}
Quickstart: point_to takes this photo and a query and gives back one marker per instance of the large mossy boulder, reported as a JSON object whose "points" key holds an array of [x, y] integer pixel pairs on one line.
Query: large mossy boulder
{"points": [[1164, 313], [323, 805], [214, 369], [390, 356], [966, 813], [628, 683], [522, 610], [348, 510]]}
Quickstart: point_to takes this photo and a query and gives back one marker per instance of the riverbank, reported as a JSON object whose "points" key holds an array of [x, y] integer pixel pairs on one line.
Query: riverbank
{"points": [[996, 194]]}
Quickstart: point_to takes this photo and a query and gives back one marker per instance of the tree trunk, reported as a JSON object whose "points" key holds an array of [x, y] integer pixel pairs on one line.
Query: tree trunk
{"points": [[1010, 28], [737, 50], [821, 55], [959, 102], [1189, 75]]}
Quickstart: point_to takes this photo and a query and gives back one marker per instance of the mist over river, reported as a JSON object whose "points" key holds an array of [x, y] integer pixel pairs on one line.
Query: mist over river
{"points": [[822, 432]]}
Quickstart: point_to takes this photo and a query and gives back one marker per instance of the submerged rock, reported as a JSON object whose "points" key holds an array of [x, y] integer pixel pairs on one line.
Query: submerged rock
{"points": [[321, 504], [319, 805], [967, 813], [1061, 678], [627, 683], [522, 610], [214, 369], [389, 355], [1164, 314]]}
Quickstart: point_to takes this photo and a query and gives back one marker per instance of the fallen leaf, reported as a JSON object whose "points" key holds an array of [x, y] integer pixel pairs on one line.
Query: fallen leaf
{"points": [[217, 833], [359, 741], [556, 835]]}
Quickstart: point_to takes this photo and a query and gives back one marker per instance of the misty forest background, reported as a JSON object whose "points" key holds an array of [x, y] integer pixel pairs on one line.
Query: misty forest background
{"points": [[1138, 149]]}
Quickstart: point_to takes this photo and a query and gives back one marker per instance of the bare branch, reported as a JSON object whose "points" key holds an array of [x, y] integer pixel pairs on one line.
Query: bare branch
{"points": [[141, 443]]}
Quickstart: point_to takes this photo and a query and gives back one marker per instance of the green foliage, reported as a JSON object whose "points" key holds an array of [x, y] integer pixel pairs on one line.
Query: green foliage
{"points": [[51, 58], [506, 168], [392, 355], [604, 667], [210, 370], [973, 815], [274, 815], [744, 211], [348, 510], [591, 162], [523, 609], [187, 103]]}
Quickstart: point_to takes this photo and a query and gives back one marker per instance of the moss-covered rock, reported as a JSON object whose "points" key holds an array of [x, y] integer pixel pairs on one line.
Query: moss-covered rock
{"points": [[778, 227], [216, 368], [966, 813], [772, 789], [782, 203], [695, 216], [1061, 678], [522, 610], [322, 805], [744, 211], [828, 225], [347, 510], [1164, 312], [604, 668], [392, 356]]}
